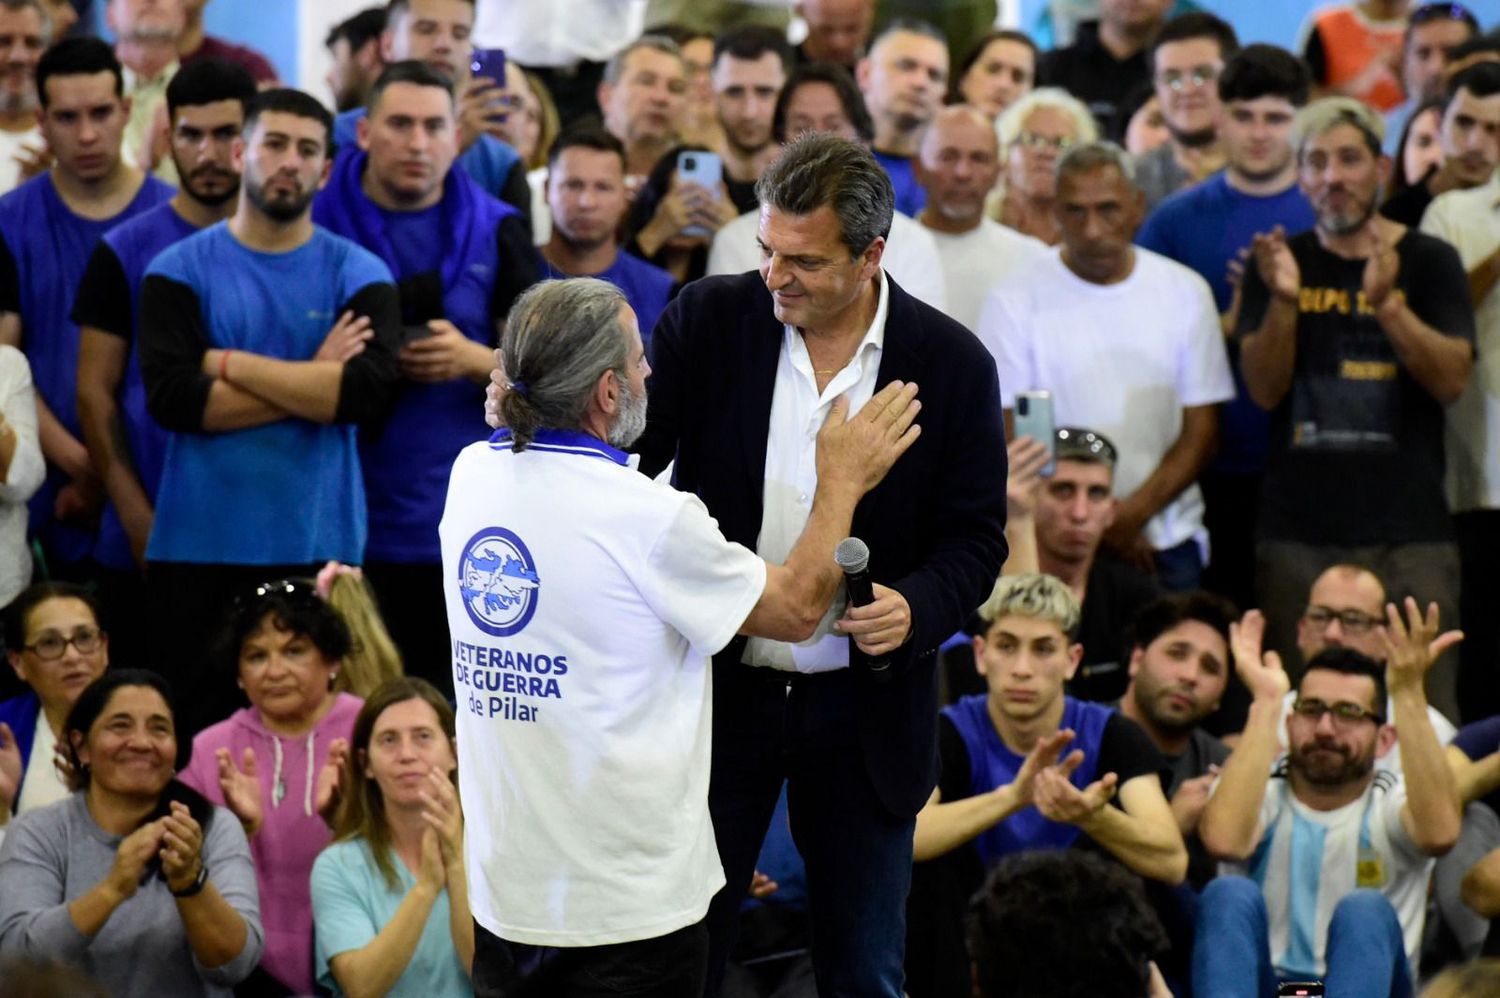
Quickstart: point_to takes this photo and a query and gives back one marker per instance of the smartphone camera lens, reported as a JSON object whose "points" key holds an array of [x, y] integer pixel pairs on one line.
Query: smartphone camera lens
{"points": [[1023, 406], [690, 164]]}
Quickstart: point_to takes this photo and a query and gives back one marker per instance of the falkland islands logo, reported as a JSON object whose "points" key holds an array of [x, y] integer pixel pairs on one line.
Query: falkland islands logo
{"points": [[498, 582]]}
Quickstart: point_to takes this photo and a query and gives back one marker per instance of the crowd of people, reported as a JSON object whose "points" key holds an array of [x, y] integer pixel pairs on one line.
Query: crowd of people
{"points": [[1155, 369]]}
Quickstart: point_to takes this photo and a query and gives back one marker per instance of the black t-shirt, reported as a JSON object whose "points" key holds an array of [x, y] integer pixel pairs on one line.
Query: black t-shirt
{"points": [[1409, 206], [1356, 446], [1116, 592], [1090, 72]]}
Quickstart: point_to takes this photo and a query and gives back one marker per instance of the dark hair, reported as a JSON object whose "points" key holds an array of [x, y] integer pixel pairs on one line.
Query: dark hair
{"points": [[285, 100], [751, 42], [361, 812], [908, 25], [680, 33], [18, 614], [1481, 79], [292, 605], [1427, 13], [206, 81], [1399, 181], [1262, 70], [1065, 924], [975, 53], [1477, 45], [396, 8], [1135, 99], [77, 57], [586, 136], [1353, 663], [413, 71], [842, 83], [1161, 615], [358, 30], [818, 169], [1195, 24]]}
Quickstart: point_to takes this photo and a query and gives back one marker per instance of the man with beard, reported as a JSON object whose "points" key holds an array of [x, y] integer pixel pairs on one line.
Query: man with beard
{"points": [[750, 67], [1332, 857], [1355, 335], [354, 47], [1433, 31], [206, 106], [260, 400], [1179, 671], [24, 33], [616, 607], [460, 258], [586, 195], [904, 79], [1187, 56], [48, 227], [1469, 132], [1209, 228]]}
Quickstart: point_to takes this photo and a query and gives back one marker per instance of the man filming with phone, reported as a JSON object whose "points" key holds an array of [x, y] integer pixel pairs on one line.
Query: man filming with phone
{"points": [[460, 258]]}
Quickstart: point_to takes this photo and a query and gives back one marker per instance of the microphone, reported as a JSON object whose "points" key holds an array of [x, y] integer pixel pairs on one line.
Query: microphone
{"points": [[854, 558]]}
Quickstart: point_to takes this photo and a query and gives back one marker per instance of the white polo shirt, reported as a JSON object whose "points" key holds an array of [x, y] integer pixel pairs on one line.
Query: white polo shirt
{"points": [[797, 413], [584, 601]]}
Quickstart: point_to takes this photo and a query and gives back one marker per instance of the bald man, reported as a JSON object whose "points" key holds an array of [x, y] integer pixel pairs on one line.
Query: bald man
{"points": [[837, 30], [957, 165]]}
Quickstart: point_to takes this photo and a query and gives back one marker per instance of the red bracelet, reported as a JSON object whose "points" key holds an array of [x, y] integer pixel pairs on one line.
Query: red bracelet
{"points": [[224, 366]]}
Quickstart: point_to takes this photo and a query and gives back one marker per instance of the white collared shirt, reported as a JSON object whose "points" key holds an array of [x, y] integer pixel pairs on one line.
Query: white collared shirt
{"points": [[797, 413]]}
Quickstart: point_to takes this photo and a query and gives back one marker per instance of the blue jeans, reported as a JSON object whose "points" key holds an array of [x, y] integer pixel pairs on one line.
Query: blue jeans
{"points": [[1365, 953]]}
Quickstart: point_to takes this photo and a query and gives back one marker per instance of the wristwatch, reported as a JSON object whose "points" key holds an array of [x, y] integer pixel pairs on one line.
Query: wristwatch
{"points": [[196, 887]]}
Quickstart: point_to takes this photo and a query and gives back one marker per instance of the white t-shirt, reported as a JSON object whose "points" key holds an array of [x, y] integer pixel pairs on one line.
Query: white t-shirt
{"points": [[1307, 861], [911, 256], [584, 601], [1124, 359], [43, 784], [1470, 220], [974, 262], [797, 413], [11, 146]]}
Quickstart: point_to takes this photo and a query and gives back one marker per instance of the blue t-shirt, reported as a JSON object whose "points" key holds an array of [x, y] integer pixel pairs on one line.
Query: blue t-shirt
{"points": [[647, 288], [910, 197], [288, 492], [352, 902], [127, 249], [488, 161], [1204, 227], [44, 248]]}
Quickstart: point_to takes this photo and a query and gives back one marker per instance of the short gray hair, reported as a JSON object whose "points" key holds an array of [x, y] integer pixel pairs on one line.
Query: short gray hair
{"points": [[1034, 595], [1092, 156], [1323, 116], [614, 70], [819, 168], [560, 337]]}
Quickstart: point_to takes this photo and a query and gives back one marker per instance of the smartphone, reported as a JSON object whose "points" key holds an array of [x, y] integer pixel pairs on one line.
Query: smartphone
{"points": [[704, 169], [418, 331], [489, 63], [1034, 419], [1313, 989]]}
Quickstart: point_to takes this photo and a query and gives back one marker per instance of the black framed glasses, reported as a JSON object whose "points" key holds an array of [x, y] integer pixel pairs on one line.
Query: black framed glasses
{"points": [[1345, 714], [51, 645], [1352, 621], [1077, 443]]}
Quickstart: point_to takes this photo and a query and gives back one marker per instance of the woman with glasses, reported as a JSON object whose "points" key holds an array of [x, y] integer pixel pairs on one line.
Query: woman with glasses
{"points": [[389, 897], [56, 647], [134, 878], [275, 763], [1034, 132]]}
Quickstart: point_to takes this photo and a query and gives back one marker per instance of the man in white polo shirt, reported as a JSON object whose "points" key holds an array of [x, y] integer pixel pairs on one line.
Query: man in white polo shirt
{"points": [[584, 603]]}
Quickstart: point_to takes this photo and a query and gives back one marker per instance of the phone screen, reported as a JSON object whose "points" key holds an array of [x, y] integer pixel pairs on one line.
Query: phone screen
{"points": [[1034, 418]]}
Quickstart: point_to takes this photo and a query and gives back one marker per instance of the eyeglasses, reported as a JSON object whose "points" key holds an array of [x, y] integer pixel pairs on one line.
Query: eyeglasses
{"points": [[1035, 140], [1345, 714], [1073, 442], [1198, 76], [51, 645], [1441, 12], [1352, 621]]}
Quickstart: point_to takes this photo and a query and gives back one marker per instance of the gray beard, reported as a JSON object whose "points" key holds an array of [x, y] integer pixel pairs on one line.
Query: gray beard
{"points": [[630, 423]]}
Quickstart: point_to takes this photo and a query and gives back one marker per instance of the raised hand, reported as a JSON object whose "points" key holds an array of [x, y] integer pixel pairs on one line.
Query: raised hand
{"points": [[499, 384], [330, 780], [441, 811], [181, 847], [1411, 646], [1059, 800], [241, 788], [1023, 483], [1276, 264], [861, 449], [1043, 756], [1262, 674], [1190, 799], [1381, 268], [431, 872], [347, 339]]}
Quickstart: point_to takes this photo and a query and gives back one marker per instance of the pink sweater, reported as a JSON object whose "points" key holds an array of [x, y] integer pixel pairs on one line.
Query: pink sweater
{"points": [[291, 833]]}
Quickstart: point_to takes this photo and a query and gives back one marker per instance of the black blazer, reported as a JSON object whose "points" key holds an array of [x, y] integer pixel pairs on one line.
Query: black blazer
{"points": [[935, 526]]}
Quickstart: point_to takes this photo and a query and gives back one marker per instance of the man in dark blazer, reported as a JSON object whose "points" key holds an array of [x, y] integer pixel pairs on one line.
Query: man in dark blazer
{"points": [[743, 366]]}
